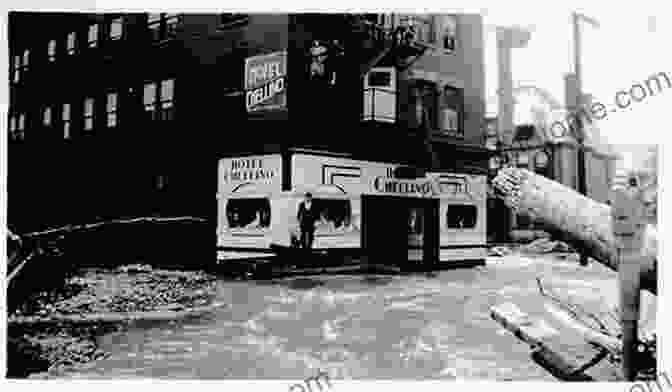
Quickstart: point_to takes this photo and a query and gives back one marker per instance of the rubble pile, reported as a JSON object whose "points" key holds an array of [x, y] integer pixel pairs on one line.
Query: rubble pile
{"points": [[133, 288]]}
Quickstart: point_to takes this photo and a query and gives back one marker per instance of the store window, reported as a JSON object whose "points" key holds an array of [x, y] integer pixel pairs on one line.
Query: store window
{"points": [[116, 28], [88, 113], [93, 36], [461, 216], [111, 110], [51, 50], [335, 214], [66, 121], [71, 43], [46, 116], [252, 213]]}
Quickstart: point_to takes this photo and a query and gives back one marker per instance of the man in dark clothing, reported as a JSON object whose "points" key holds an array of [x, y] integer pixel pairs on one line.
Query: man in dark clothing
{"points": [[307, 216]]}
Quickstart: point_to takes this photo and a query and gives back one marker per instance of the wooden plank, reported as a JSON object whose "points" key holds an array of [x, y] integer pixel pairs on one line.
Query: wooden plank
{"points": [[560, 350]]}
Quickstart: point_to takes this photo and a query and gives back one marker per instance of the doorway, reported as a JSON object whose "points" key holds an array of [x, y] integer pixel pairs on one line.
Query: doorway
{"points": [[400, 231]]}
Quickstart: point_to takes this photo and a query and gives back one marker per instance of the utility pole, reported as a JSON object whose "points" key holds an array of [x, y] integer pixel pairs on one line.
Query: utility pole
{"points": [[577, 18]]}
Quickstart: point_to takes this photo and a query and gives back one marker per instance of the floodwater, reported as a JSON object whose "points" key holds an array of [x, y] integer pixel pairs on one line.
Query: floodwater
{"points": [[354, 327]]}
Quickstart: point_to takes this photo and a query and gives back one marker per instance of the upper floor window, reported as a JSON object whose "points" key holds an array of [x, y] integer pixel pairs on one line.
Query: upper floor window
{"points": [[159, 99], [21, 128], [71, 43], [420, 25], [17, 69], [162, 26], [149, 99], [88, 114], [425, 98], [93, 36], [167, 94], [116, 28], [12, 125], [46, 116], [26, 56], [452, 104], [51, 50], [449, 32], [232, 19], [111, 109], [66, 121]]}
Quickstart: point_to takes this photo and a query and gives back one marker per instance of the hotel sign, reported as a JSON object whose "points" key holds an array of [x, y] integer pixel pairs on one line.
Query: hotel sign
{"points": [[266, 82], [250, 170], [423, 187]]}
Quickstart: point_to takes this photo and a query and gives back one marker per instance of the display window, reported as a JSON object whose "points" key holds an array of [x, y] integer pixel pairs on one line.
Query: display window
{"points": [[249, 214], [461, 216], [334, 215]]}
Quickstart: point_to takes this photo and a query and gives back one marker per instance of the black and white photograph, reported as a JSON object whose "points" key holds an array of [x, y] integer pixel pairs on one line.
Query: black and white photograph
{"points": [[321, 197]]}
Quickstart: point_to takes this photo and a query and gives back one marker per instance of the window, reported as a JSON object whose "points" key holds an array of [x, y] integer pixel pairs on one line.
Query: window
{"points": [[452, 111], [111, 109], [162, 26], [51, 50], [116, 28], [420, 25], [12, 126], [26, 56], [251, 214], [449, 33], [88, 114], [66, 121], [425, 96], [335, 215], [93, 36], [46, 116], [160, 104], [17, 69], [167, 93], [20, 131], [149, 99], [461, 216], [71, 44], [232, 19]]}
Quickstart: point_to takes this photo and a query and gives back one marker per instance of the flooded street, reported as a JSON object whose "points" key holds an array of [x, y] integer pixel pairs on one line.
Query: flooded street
{"points": [[355, 327]]}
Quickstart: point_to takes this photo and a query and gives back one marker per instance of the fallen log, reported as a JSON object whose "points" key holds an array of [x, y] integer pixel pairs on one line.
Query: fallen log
{"points": [[557, 348], [586, 223]]}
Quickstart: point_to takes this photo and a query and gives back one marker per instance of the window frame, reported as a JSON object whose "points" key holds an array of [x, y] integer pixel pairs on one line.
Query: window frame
{"points": [[112, 112], [93, 43], [71, 43], [17, 69], [66, 120], [52, 47], [443, 32], [90, 117], [454, 102], [47, 110], [162, 108], [163, 26], [118, 21], [471, 207]]}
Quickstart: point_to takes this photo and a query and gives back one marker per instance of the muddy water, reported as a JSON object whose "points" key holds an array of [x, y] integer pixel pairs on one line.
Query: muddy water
{"points": [[354, 327]]}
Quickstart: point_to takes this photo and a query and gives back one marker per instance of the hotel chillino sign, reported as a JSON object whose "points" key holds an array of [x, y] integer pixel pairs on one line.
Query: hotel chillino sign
{"points": [[266, 82]]}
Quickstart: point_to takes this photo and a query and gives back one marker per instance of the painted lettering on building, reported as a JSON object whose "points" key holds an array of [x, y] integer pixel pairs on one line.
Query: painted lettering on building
{"points": [[266, 82], [404, 187], [248, 170]]}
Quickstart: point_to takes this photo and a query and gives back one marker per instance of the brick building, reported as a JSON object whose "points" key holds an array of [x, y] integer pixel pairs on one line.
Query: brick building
{"points": [[127, 114]]}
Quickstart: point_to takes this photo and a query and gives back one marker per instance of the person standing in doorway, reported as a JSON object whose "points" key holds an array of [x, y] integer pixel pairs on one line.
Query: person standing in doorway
{"points": [[307, 216]]}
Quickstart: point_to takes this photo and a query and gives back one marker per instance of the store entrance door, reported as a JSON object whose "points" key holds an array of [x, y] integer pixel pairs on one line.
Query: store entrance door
{"points": [[400, 231]]}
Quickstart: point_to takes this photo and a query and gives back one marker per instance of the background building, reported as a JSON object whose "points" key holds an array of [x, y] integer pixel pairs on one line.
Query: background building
{"points": [[127, 114]]}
